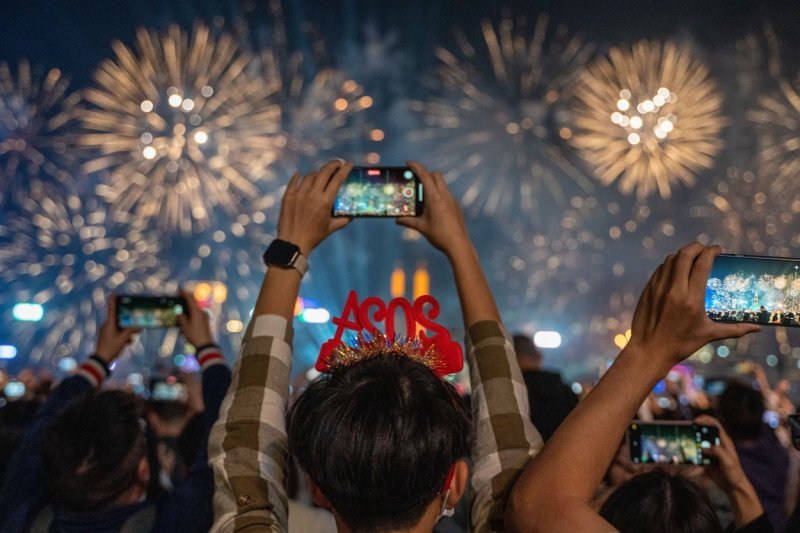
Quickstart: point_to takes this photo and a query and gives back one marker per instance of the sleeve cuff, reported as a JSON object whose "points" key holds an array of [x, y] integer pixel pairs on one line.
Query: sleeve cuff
{"points": [[209, 356], [94, 371]]}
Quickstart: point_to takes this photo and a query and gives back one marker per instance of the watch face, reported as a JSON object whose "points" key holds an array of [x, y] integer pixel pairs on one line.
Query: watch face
{"points": [[281, 253]]}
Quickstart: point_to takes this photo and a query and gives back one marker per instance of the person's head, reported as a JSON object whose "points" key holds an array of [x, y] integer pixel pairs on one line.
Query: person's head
{"points": [[741, 409], [95, 452], [529, 357], [378, 440], [659, 502]]}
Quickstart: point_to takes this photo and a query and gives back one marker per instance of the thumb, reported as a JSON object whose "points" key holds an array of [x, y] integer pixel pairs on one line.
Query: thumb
{"points": [[410, 222], [733, 331], [338, 223]]}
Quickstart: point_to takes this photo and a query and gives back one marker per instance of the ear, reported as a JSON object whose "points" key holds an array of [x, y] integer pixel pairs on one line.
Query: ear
{"points": [[143, 470], [458, 485], [317, 496]]}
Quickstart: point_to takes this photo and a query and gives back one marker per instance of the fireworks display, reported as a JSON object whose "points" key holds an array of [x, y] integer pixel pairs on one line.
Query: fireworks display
{"points": [[67, 254], [493, 122], [180, 126], [34, 107], [171, 167], [777, 121], [648, 117]]}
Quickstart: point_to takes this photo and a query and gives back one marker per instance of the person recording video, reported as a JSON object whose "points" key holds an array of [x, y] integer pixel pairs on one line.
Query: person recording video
{"points": [[385, 441], [86, 462], [669, 324]]}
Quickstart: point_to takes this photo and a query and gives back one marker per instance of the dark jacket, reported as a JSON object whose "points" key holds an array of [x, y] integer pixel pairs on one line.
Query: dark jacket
{"points": [[187, 508], [550, 398]]}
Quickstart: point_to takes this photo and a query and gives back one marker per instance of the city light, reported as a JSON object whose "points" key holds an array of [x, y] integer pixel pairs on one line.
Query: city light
{"points": [[7, 351], [547, 339], [28, 312], [315, 316]]}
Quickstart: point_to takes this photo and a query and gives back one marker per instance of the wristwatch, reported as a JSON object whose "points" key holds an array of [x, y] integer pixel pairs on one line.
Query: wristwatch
{"points": [[284, 254]]}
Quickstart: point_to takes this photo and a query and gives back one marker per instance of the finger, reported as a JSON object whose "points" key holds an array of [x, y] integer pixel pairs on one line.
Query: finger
{"points": [[129, 333], [294, 182], [112, 308], [306, 183], [191, 304], [338, 223], [425, 177], [416, 223], [335, 183], [324, 175], [702, 268], [683, 264], [441, 182], [721, 331]]}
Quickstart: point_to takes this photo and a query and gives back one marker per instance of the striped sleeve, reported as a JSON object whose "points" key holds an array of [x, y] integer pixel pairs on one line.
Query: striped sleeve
{"points": [[94, 370], [505, 438], [248, 445]]}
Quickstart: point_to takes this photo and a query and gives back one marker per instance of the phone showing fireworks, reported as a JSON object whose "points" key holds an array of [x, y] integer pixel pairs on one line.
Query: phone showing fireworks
{"points": [[762, 290], [380, 192]]}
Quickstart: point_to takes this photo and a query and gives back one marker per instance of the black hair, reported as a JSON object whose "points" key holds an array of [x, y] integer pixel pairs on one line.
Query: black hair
{"points": [[658, 502], [379, 438], [741, 411], [525, 347], [92, 450]]}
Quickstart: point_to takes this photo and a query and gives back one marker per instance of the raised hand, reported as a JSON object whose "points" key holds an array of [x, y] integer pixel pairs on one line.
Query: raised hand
{"points": [[111, 340], [670, 322], [306, 211]]}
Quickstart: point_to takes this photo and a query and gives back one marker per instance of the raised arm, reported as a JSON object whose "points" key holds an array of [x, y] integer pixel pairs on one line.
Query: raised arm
{"points": [[669, 324], [248, 445], [505, 439]]}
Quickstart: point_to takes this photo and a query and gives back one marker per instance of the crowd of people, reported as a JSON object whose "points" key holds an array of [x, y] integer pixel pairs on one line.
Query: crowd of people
{"points": [[761, 315], [380, 441]]}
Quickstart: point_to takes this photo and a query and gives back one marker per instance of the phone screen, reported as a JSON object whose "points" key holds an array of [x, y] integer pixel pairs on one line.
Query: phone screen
{"points": [[671, 443], [762, 290], [149, 311], [168, 392], [380, 192]]}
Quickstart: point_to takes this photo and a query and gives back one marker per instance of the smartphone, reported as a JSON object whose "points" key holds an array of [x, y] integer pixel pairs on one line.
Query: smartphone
{"points": [[676, 443], [748, 288], [380, 192], [149, 311], [164, 391]]}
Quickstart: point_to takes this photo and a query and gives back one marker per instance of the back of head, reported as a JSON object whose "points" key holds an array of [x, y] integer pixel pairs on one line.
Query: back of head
{"points": [[92, 450], [379, 438], [658, 502], [741, 409], [526, 350]]}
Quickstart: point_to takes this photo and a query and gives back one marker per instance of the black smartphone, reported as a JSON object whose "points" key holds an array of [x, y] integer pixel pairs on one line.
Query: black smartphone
{"points": [[748, 288], [163, 390], [380, 192], [149, 311], [671, 443]]}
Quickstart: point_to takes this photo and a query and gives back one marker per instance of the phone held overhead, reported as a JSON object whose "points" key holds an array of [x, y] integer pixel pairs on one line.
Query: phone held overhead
{"points": [[380, 192], [149, 311], [756, 289]]}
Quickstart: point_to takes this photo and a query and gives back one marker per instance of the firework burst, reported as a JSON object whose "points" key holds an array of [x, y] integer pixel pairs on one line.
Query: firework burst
{"points": [[777, 122], [493, 123], [180, 126], [649, 117], [34, 107], [74, 250]]}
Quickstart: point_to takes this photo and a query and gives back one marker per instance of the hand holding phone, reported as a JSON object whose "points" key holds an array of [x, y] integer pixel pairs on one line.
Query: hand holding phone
{"points": [[672, 443], [380, 192], [112, 337]]}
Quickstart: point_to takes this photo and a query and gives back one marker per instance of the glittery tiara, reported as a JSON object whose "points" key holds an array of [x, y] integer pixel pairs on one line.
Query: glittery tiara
{"points": [[369, 346]]}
